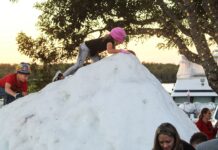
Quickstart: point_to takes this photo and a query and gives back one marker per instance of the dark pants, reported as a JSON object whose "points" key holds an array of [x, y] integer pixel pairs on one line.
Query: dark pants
{"points": [[2, 92], [6, 97]]}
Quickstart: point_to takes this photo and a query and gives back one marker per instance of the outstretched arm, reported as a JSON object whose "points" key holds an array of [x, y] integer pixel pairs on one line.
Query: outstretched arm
{"points": [[9, 90], [112, 50]]}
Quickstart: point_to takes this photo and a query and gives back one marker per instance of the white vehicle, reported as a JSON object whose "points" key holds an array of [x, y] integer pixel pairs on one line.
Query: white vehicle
{"points": [[192, 85]]}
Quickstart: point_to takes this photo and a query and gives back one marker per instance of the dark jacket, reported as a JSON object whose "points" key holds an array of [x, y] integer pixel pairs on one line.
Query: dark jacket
{"points": [[208, 145], [99, 45], [187, 146]]}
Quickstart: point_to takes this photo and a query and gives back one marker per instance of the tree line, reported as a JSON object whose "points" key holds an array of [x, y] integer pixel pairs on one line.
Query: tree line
{"points": [[40, 77]]}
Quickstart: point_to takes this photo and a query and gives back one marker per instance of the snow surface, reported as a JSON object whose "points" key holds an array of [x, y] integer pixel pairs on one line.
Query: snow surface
{"points": [[113, 104]]}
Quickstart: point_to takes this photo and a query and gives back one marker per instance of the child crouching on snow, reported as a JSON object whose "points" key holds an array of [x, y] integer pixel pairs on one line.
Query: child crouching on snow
{"points": [[93, 47]]}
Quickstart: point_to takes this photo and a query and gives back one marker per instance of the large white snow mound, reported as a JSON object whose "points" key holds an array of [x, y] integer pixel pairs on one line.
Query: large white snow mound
{"points": [[114, 104]]}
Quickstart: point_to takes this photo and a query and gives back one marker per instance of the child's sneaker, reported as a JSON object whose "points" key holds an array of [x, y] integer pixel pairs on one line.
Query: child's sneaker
{"points": [[58, 76]]}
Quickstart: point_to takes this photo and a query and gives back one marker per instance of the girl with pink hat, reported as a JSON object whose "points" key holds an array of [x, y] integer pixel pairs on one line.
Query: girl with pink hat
{"points": [[93, 47]]}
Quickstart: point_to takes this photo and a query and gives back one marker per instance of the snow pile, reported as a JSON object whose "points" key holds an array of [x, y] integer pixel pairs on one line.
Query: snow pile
{"points": [[115, 103]]}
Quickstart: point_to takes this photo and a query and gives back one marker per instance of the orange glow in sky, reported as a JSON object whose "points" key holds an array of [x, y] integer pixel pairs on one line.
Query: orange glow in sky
{"points": [[21, 16]]}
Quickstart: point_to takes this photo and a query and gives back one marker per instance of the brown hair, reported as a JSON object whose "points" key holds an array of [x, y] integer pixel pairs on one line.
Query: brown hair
{"points": [[203, 111], [198, 137], [170, 130]]}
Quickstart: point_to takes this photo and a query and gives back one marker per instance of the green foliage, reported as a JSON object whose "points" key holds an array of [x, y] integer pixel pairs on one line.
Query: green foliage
{"points": [[42, 75], [6, 69], [71, 21], [13, 1], [40, 49], [67, 23], [181, 23], [166, 73]]}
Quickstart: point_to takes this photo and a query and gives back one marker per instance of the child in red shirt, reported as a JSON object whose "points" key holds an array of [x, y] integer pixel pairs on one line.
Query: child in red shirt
{"points": [[15, 85]]}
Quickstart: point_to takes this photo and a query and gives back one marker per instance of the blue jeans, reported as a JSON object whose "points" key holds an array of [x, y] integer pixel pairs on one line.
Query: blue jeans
{"points": [[2, 92]]}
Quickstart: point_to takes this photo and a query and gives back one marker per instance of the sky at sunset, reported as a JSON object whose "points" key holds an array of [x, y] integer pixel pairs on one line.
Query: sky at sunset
{"points": [[21, 16]]}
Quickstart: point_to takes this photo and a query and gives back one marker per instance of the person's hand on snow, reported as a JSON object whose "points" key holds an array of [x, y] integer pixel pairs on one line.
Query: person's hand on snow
{"points": [[124, 51], [18, 95]]}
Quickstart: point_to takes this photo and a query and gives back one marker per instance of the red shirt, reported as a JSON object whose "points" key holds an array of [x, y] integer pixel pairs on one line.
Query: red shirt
{"points": [[207, 128], [16, 85]]}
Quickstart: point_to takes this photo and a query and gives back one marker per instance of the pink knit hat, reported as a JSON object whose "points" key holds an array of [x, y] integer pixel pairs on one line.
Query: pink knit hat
{"points": [[118, 34]]}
